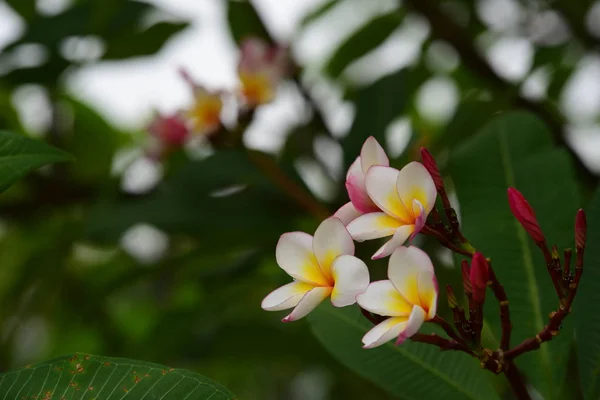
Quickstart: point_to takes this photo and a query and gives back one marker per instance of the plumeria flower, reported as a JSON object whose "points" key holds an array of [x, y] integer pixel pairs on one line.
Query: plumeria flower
{"points": [[262, 66], [168, 133], [360, 202], [404, 198], [408, 298], [204, 115], [322, 266]]}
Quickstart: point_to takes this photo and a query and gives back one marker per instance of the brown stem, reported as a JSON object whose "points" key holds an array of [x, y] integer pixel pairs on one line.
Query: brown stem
{"points": [[516, 382], [550, 266], [374, 319], [500, 294], [446, 327], [442, 343], [444, 241]]}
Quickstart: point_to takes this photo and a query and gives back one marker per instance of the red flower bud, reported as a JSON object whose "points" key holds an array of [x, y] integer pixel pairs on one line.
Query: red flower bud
{"points": [[479, 277], [432, 168], [466, 278], [525, 215], [171, 130], [580, 229]]}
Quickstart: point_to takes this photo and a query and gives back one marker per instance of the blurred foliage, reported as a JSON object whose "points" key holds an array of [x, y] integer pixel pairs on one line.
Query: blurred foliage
{"points": [[69, 283]]}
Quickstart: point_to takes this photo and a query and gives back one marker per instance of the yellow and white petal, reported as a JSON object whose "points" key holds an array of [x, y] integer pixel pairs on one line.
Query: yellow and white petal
{"points": [[381, 187], [414, 323], [400, 236], [309, 302], [373, 225], [384, 332], [382, 298], [355, 185], [372, 154], [403, 270], [428, 292], [347, 213], [414, 182], [285, 297], [331, 240], [420, 217], [351, 277], [294, 254]]}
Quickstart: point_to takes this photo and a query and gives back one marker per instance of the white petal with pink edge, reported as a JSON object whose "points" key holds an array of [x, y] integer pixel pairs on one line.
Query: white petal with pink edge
{"points": [[414, 323], [309, 302], [351, 277], [373, 226], [355, 185], [384, 332], [382, 298], [420, 217], [347, 213], [381, 187], [428, 292], [372, 154], [285, 297], [414, 182], [294, 254], [330, 241], [400, 236], [403, 270]]}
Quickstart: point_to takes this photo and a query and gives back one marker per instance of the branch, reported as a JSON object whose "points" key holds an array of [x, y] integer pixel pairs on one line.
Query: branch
{"points": [[500, 294], [443, 343]]}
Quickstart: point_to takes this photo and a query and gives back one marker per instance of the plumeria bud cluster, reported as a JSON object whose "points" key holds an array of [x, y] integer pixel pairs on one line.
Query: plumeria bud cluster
{"points": [[395, 204], [261, 68]]}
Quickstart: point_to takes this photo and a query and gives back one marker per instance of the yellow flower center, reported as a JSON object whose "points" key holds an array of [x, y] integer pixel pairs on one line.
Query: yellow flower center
{"points": [[256, 88]]}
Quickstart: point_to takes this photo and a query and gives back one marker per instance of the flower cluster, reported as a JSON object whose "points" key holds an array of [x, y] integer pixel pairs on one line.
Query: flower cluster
{"points": [[261, 68], [383, 202]]}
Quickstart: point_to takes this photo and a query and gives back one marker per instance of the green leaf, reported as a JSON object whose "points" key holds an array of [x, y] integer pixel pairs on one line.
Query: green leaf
{"points": [[72, 377], [244, 21], [515, 150], [318, 12], [409, 371], [20, 155], [363, 41], [585, 306]]}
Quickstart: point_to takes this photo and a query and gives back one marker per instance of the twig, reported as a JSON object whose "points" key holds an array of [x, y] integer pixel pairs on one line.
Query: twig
{"points": [[500, 295], [442, 343]]}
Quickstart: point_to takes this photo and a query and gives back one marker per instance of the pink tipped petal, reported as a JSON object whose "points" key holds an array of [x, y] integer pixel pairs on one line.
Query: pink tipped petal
{"points": [[294, 254], [372, 154], [384, 332], [414, 323], [404, 267], [355, 185], [351, 277], [254, 52], [331, 240], [420, 218], [347, 213], [382, 298], [400, 236], [414, 182], [381, 187], [428, 292], [373, 226], [285, 297], [309, 302]]}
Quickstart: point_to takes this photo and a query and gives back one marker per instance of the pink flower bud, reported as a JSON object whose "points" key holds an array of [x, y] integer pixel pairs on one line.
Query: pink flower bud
{"points": [[170, 131], [479, 277], [467, 287], [432, 168], [525, 215], [580, 229]]}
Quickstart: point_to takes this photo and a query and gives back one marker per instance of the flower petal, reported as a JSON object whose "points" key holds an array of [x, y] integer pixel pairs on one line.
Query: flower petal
{"points": [[347, 213], [405, 265], [373, 226], [384, 332], [381, 187], [382, 298], [309, 302], [294, 254], [253, 54], [414, 182], [420, 217], [285, 297], [416, 319], [351, 277], [355, 185], [331, 240], [428, 292], [372, 154], [400, 236]]}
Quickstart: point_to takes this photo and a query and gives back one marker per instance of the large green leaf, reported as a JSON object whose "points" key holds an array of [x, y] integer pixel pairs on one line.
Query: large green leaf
{"points": [[409, 371], [515, 150], [86, 376], [20, 155], [244, 21], [585, 306]]}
